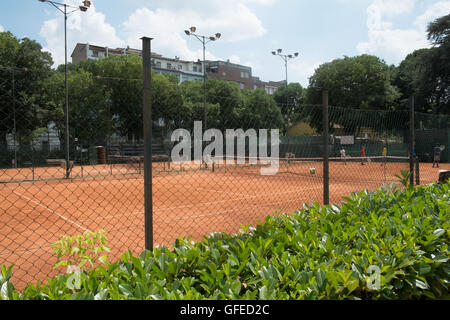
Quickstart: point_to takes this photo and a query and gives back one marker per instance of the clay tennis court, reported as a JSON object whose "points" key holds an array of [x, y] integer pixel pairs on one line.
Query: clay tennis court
{"points": [[37, 205]]}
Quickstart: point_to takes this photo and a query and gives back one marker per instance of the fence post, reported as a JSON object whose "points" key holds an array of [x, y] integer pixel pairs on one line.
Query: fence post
{"points": [[326, 172], [412, 140], [147, 125], [14, 117]]}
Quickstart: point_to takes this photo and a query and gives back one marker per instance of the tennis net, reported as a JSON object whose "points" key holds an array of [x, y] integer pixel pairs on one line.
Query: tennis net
{"points": [[351, 167]]}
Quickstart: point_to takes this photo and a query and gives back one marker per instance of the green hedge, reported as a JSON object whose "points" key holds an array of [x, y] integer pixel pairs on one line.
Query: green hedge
{"points": [[389, 244]]}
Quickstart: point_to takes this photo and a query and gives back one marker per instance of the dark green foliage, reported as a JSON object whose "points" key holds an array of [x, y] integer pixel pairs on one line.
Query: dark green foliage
{"points": [[24, 67], [317, 253], [361, 82]]}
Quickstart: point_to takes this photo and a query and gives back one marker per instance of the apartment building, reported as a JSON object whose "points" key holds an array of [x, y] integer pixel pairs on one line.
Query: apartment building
{"points": [[242, 75], [270, 86], [225, 70], [183, 70]]}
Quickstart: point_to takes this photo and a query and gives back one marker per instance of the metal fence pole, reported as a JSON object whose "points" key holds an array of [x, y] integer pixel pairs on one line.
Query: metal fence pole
{"points": [[147, 119], [412, 139], [14, 117], [326, 172]]}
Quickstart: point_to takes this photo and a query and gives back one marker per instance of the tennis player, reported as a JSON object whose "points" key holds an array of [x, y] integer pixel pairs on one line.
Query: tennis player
{"points": [[363, 155], [343, 157], [437, 155], [384, 155]]}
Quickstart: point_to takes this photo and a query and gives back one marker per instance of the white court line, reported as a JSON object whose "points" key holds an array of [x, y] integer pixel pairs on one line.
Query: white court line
{"points": [[236, 199], [226, 192], [212, 214], [52, 211], [233, 210]]}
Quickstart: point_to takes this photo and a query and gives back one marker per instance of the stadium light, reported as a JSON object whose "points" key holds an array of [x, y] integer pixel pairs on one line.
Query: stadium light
{"points": [[204, 41], [285, 59]]}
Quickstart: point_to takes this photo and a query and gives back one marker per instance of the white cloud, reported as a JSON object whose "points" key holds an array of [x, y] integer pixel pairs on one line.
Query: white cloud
{"points": [[87, 27], [393, 44], [1, 28], [300, 71], [439, 9], [166, 24], [233, 19], [235, 59]]}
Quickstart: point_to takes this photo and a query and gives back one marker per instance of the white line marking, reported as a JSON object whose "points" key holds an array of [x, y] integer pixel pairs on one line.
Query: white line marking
{"points": [[233, 210], [226, 192], [51, 211], [236, 199]]}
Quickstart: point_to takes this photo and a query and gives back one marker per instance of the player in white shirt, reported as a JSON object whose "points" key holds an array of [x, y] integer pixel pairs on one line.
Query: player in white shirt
{"points": [[343, 157]]}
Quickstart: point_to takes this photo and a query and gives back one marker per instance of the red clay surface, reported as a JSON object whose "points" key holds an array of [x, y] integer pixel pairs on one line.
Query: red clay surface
{"points": [[185, 203]]}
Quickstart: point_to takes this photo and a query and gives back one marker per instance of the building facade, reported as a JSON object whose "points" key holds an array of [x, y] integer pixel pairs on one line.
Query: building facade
{"points": [[242, 75], [182, 69], [225, 70]]}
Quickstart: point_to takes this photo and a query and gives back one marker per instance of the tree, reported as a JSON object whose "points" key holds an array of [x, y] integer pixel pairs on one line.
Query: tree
{"points": [[409, 80], [23, 69], [361, 82], [121, 79], [227, 95], [438, 73], [89, 118], [289, 98], [261, 111], [439, 31], [426, 72]]}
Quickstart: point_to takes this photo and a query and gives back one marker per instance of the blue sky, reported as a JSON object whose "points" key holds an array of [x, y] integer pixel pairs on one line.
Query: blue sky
{"points": [[320, 30]]}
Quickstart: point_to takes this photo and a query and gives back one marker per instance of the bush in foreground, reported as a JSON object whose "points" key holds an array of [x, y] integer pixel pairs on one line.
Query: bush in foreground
{"points": [[389, 244]]}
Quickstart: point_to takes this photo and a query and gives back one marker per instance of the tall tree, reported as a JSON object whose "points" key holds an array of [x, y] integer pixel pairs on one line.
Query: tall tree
{"points": [[426, 72], [261, 111], [89, 118], [409, 80], [361, 82], [289, 98], [23, 69], [439, 72]]}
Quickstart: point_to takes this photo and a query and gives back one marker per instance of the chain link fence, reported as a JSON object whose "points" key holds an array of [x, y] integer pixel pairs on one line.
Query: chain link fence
{"points": [[105, 188]]}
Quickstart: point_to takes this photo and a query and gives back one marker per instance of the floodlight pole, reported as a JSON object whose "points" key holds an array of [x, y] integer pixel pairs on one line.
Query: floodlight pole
{"points": [[285, 58], [202, 39], [205, 118], [66, 108]]}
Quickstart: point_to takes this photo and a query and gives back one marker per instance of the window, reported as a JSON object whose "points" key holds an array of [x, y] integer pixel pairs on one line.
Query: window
{"points": [[242, 85], [169, 66], [195, 69], [180, 67], [94, 53], [158, 64], [245, 75]]}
